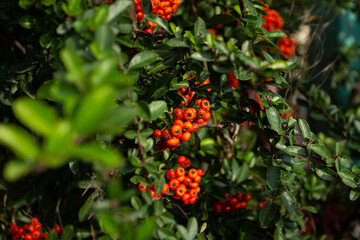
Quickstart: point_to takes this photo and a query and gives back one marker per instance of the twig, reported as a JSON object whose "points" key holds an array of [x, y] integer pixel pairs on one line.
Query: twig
{"points": [[139, 144], [181, 210]]}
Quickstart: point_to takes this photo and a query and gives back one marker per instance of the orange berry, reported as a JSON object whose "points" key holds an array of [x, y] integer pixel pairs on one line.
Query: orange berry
{"points": [[139, 16], [205, 105], [193, 192], [153, 193], [180, 179], [161, 145], [232, 201], [247, 197], [177, 113], [200, 121], [170, 174], [159, 12], [141, 187], [174, 184], [165, 134], [137, 2], [172, 142], [194, 185], [200, 172], [165, 189], [188, 127], [186, 164], [201, 113], [181, 159], [197, 189], [179, 123], [180, 191], [192, 200], [176, 131], [168, 11], [180, 171], [185, 197], [195, 126], [239, 196], [185, 136], [192, 173], [157, 133], [189, 114], [208, 115], [33, 221], [227, 195], [197, 179], [187, 181]]}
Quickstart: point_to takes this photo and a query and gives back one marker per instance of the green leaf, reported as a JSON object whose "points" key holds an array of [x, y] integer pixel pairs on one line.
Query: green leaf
{"points": [[92, 153], [116, 9], [157, 108], [245, 75], [275, 34], [202, 56], [325, 173], [311, 209], [305, 129], [73, 64], [243, 173], [176, 42], [291, 64], [75, 7], [288, 200], [93, 109], [16, 169], [19, 141], [146, 229], [321, 150], [115, 121], [200, 27], [278, 64], [143, 58], [192, 227], [130, 134], [349, 182], [68, 232], [183, 232], [274, 119], [104, 37], [250, 6], [135, 202], [222, 19], [354, 194], [160, 21], [28, 22], [338, 148], [266, 214], [296, 151], [273, 176], [88, 207], [36, 115], [100, 16]]}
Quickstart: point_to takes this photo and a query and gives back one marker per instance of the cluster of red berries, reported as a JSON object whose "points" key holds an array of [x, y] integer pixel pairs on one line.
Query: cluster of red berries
{"points": [[287, 46], [188, 94], [186, 122], [162, 8], [32, 231], [273, 20], [233, 203], [181, 185]]}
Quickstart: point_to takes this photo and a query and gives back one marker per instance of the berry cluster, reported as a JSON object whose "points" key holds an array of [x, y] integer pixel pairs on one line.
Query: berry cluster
{"points": [[162, 8], [273, 20], [287, 46], [233, 203], [32, 231], [181, 185], [185, 185], [185, 122], [188, 94]]}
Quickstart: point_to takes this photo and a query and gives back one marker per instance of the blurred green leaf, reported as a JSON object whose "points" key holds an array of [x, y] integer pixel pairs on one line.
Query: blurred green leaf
{"points": [[88, 207], [192, 227], [19, 141], [157, 108], [36, 115], [93, 109], [288, 200], [16, 169], [273, 176]]}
